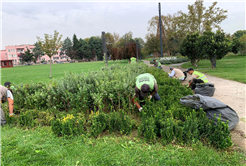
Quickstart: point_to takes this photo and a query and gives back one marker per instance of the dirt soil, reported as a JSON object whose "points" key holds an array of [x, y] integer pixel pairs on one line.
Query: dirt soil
{"points": [[231, 93]]}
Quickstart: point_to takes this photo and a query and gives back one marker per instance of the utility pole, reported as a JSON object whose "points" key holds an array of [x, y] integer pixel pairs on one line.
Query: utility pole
{"points": [[104, 48], [125, 40], [160, 28], [137, 50]]}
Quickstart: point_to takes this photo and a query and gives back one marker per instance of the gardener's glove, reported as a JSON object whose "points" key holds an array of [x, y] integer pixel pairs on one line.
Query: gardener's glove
{"points": [[10, 115], [140, 109], [150, 97]]}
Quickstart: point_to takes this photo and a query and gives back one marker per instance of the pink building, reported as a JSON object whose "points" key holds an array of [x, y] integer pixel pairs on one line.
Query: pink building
{"points": [[12, 52]]}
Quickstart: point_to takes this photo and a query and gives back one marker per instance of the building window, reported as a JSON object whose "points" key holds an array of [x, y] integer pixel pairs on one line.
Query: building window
{"points": [[8, 50], [14, 55], [10, 64], [6, 54], [55, 58], [2, 63], [9, 55], [15, 60], [14, 50]]}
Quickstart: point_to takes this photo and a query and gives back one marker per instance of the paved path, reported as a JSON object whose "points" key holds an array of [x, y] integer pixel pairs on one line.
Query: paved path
{"points": [[229, 92]]}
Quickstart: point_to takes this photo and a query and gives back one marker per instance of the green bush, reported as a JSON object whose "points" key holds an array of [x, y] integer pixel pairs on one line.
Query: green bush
{"points": [[68, 125], [111, 89], [173, 61], [120, 121], [99, 124]]}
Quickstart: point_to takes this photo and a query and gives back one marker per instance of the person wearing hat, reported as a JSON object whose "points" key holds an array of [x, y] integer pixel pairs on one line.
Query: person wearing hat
{"points": [[176, 73], [157, 64], [198, 77], [6, 95], [133, 60], [146, 84]]}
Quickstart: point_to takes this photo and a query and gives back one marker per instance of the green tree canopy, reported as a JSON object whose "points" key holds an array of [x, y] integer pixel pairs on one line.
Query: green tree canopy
{"points": [[199, 18], [215, 46], [37, 52], [27, 56], [242, 47], [192, 48], [239, 33], [236, 45], [67, 48]]}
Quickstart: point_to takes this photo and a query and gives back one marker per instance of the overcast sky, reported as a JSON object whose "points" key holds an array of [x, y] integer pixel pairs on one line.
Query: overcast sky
{"points": [[22, 21]]}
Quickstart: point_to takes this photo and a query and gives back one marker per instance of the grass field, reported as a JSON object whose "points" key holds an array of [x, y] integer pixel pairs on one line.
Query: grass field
{"points": [[41, 73], [231, 68], [41, 147]]}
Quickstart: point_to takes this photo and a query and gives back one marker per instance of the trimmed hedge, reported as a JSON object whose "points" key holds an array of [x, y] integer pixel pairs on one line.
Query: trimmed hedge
{"points": [[171, 61]]}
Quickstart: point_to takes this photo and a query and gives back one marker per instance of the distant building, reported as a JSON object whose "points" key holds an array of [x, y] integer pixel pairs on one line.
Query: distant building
{"points": [[12, 52], [6, 63]]}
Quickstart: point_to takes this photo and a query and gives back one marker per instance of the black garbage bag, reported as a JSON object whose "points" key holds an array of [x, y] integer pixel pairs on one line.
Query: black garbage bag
{"points": [[212, 106], [206, 89]]}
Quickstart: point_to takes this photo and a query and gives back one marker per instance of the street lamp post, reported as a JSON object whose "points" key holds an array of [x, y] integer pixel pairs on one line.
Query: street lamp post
{"points": [[160, 28], [137, 50], [104, 48]]}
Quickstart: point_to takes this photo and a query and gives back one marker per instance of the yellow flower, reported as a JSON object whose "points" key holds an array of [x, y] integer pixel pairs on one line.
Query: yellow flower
{"points": [[69, 116]]}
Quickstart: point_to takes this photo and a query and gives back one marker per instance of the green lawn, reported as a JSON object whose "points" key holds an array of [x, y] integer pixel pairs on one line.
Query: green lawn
{"points": [[40, 73], [41, 147], [231, 68]]}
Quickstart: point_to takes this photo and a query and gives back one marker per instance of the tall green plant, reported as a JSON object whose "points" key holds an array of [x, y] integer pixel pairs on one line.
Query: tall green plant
{"points": [[50, 45]]}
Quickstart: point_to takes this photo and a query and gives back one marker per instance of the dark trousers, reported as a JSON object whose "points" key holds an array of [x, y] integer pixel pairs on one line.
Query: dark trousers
{"points": [[194, 82], [142, 102]]}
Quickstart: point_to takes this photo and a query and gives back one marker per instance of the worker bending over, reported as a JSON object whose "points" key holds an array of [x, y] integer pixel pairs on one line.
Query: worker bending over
{"points": [[198, 77], [133, 60], [176, 73], [157, 64], [146, 84]]}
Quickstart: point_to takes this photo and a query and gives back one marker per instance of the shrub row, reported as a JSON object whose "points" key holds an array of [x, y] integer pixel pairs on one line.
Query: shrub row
{"points": [[109, 92], [103, 90], [171, 61]]}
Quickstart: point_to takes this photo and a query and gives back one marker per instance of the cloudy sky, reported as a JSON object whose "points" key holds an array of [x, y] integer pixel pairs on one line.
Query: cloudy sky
{"points": [[22, 21]]}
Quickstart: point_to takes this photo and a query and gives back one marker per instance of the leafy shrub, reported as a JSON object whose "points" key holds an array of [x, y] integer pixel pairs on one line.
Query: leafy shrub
{"points": [[68, 125], [120, 121], [99, 124], [219, 135], [28, 118]]}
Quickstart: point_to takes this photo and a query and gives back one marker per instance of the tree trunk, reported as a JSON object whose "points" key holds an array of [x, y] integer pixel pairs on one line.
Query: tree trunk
{"points": [[196, 62], [213, 62], [50, 68]]}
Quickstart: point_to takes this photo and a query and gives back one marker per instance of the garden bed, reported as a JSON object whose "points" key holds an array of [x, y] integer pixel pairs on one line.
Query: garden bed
{"points": [[95, 102]]}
